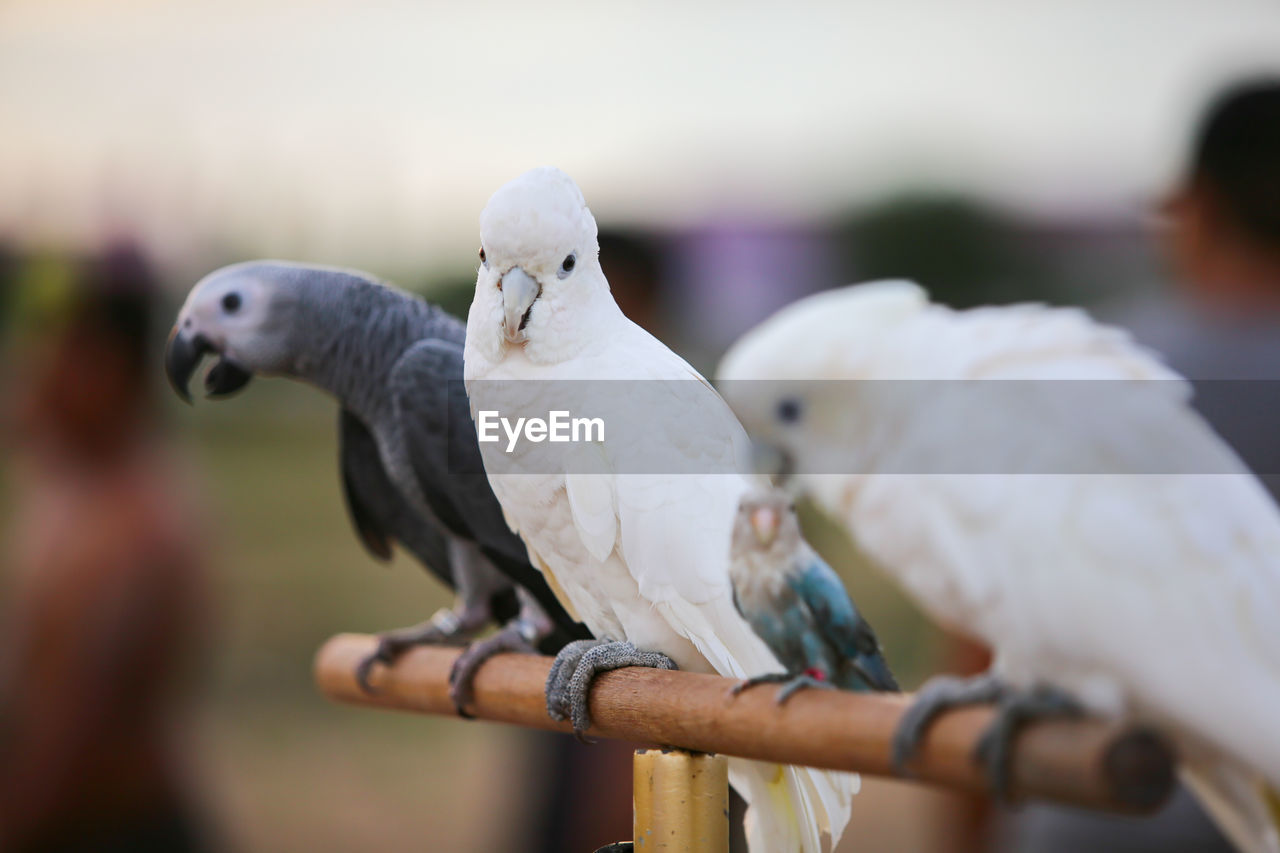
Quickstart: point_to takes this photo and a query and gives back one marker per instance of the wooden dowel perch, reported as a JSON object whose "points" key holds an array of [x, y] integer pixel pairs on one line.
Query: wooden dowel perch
{"points": [[1087, 763]]}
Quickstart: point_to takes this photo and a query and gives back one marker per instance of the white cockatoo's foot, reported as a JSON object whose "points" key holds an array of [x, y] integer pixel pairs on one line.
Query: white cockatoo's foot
{"points": [[562, 669], [446, 627], [791, 684], [577, 665], [939, 694], [1017, 708]]}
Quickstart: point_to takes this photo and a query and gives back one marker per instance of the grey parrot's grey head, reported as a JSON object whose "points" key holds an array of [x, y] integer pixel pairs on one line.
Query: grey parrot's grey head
{"points": [[766, 522], [241, 315]]}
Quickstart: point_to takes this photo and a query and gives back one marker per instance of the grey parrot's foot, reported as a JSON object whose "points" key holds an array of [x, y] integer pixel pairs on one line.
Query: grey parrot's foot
{"points": [[515, 636], [444, 628], [1015, 710], [570, 700], [939, 694]]}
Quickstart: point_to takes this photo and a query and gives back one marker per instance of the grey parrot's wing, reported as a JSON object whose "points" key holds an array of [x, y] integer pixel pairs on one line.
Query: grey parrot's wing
{"points": [[356, 451], [378, 511], [434, 422]]}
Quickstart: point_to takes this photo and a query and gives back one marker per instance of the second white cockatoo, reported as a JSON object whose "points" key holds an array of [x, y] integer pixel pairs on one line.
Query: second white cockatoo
{"points": [[1096, 534], [638, 552]]}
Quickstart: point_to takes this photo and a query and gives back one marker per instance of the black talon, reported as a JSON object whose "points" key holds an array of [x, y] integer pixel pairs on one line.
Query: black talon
{"points": [[444, 627], [382, 654]]}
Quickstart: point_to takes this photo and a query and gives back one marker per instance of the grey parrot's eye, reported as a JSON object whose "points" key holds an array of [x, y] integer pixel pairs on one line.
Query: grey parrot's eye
{"points": [[567, 265], [789, 410], [483, 259], [231, 302]]}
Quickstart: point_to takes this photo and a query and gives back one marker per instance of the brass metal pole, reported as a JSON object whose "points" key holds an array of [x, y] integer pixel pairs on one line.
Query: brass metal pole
{"points": [[681, 801]]}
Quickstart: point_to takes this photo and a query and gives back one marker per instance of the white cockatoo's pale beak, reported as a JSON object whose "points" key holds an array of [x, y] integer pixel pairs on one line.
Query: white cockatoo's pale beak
{"points": [[764, 522], [519, 291], [772, 461]]}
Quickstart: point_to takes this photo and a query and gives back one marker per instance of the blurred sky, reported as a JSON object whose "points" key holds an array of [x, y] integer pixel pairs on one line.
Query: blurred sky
{"points": [[372, 133]]}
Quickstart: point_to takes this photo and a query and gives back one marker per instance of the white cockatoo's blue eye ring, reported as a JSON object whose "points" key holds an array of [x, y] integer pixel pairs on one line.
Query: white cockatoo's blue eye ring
{"points": [[483, 259], [231, 302], [567, 265], [789, 410]]}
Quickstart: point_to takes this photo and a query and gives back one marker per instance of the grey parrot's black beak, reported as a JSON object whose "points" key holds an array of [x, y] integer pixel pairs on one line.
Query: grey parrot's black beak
{"points": [[225, 378], [183, 355]]}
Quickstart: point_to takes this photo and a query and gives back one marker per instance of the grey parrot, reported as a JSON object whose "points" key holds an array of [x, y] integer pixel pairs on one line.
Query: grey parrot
{"points": [[410, 461]]}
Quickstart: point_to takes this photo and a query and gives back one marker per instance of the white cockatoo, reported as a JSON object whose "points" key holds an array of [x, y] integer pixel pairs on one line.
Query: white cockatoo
{"points": [[640, 556], [1106, 544]]}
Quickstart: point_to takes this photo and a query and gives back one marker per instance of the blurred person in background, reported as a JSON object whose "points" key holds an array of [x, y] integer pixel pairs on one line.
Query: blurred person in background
{"points": [[106, 599], [1222, 328]]}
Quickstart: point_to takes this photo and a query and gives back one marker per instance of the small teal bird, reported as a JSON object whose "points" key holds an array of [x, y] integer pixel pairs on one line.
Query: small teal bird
{"points": [[795, 602]]}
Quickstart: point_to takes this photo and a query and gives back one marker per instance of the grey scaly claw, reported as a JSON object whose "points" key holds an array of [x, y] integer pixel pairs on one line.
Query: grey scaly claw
{"points": [[557, 688], [516, 636], [444, 627], [939, 694], [1016, 709], [602, 658]]}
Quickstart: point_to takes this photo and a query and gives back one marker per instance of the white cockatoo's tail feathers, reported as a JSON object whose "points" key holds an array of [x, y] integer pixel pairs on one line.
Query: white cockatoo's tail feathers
{"points": [[1234, 797]]}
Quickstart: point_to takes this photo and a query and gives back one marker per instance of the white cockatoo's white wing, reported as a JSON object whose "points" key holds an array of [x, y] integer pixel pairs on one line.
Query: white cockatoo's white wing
{"points": [[1156, 593]]}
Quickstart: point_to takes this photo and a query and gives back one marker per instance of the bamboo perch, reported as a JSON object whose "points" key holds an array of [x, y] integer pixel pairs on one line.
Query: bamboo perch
{"points": [[1087, 763]]}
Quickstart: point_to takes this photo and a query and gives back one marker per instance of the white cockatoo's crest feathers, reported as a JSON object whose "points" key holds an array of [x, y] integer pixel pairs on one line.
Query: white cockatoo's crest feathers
{"points": [[539, 216], [539, 287]]}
